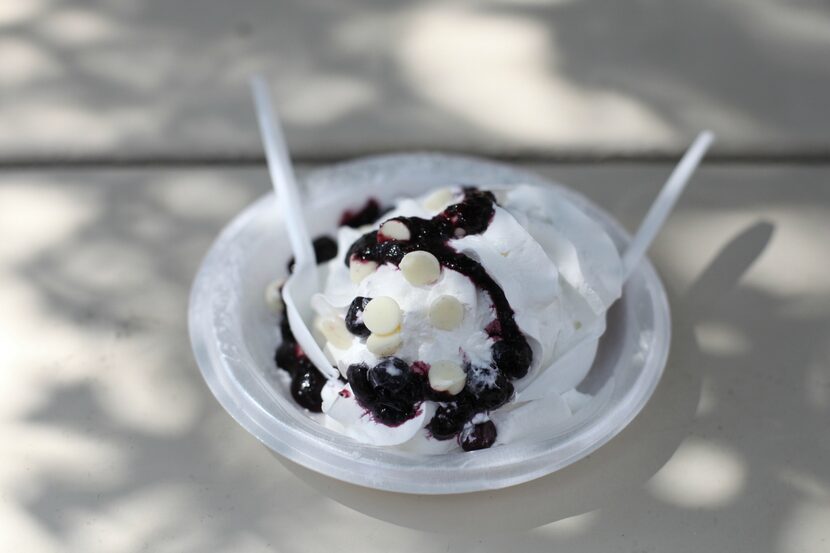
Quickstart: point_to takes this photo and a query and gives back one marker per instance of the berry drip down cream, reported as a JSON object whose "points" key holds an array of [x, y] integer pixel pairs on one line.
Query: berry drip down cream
{"points": [[461, 319]]}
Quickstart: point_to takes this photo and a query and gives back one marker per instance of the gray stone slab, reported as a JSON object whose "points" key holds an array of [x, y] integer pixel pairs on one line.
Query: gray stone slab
{"points": [[169, 79], [110, 441]]}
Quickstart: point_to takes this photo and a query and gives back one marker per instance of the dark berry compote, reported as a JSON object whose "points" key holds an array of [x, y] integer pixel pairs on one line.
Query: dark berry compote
{"points": [[393, 390]]}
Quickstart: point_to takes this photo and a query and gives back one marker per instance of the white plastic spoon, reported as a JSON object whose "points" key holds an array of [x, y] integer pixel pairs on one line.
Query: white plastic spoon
{"points": [[546, 382], [304, 281], [664, 203]]}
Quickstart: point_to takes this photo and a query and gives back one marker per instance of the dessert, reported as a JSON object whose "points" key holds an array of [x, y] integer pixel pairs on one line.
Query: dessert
{"points": [[461, 319]]}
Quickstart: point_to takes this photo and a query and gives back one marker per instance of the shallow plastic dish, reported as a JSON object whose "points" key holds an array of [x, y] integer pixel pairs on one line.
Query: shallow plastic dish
{"points": [[234, 338]]}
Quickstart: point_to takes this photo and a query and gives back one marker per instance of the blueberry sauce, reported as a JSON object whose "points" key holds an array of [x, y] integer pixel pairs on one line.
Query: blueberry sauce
{"points": [[393, 390], [366, 215], [478, 436], [471, 216], [306, 380], [354, 317], [390, 390], [488, 387], [325, 249]]}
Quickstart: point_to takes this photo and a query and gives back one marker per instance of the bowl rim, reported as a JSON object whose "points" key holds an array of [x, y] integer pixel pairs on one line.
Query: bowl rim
{"points": [[237, 401]]}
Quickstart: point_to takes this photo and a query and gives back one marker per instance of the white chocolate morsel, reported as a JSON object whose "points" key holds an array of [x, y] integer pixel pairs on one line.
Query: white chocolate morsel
{"points": [[334, 331], [446, 312], [383, 345], [446, 376], [358, 270], [420, 267], [395, 230], [559, 272], [273, 296], [439, 199], [382, 315]]}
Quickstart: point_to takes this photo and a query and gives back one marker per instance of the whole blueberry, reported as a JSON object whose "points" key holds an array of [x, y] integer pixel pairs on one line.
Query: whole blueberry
{"points": [[325, 249], [391, 375], [474, 214], [390, 391], [478, 436], [306, 387], [363, 391], [512, 357], [488, 386], [363, 248], [448, 420], [354, 317], [286, 358]]}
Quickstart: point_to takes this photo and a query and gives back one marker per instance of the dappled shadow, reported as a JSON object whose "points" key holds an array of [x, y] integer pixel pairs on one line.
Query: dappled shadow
{"points": [[122, 448], [618, 469], [158, 78], [126, 449]]}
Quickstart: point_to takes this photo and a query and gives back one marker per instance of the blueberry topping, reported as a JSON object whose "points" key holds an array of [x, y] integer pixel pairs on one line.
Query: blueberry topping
{"points": [[306, 381], [285, 357], [306, 387], [363, 247], [390, 391], [473, 215], [512, 357], [325, 249], [448, 420], [367, 215], [489, 387], [391, 374], [478, 436], [354, 317]]}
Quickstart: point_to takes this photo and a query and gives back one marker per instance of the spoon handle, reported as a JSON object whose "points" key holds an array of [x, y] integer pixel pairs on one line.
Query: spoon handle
{"points": [[282, 174], [664, 203]]}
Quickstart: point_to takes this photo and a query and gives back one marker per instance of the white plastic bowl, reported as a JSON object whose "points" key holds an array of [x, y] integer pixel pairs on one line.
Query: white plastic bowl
{"points": [[234, 338]]}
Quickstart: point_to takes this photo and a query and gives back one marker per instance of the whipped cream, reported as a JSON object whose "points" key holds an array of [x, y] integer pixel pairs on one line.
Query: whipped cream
{"points": [[558, 270]]}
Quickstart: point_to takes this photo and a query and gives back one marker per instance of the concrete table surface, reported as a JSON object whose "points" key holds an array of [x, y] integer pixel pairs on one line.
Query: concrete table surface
{"points": [[110, 441], [160, 79]]}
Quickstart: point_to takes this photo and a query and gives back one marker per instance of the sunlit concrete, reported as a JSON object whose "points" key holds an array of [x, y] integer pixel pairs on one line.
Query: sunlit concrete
{"points": [[170, 78], [110, 441]]}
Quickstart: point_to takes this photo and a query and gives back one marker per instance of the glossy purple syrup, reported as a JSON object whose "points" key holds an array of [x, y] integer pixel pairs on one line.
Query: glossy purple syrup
{"points": [[393, 391], [478, 436], [325, 248], [354, 317], [488, 387], [366, 215], [471, 216]]}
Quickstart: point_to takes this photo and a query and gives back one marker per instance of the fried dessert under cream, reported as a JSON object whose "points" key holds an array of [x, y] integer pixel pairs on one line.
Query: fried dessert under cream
{"points": [[461, 319]]}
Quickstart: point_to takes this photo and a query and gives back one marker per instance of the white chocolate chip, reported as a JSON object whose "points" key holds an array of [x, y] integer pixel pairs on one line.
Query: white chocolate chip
{"points": [[273, 296], [439, 199], [420, 267], [395, 230], [358, 270], [334, 331], [382, 315], [446, 313], [383, 345], [446, 376]]}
